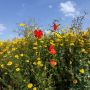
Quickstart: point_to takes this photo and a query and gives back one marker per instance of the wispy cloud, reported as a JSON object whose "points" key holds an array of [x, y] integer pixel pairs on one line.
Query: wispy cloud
{"points": [[2, 28], [69, 8]]}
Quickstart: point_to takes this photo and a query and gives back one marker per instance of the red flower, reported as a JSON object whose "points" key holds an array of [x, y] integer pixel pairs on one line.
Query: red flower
{"points": [[38, 33], [55, 26], [52, 49], [53, 63]]}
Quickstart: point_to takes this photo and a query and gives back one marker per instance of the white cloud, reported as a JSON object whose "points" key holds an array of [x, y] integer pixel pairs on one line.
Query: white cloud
{"points": [[2, 28], [68, 8], [50, 6]]}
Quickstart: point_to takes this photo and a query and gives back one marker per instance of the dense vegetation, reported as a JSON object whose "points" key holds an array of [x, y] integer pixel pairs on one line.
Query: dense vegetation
{"points": [[39, 61]]}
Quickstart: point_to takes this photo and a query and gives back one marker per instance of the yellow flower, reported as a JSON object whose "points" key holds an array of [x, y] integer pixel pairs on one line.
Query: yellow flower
{"points": [[22, 25], [83, 50], [27, 61], [58, 35], [34, 88], [16, 56], [1, 43], [71, 44], [35, 43], [34, 63], [36, 53], [17, 69], [38, 58], [82, 71], [63, 30], [8, 52], [61, 44], [88, 62], [13, 49], [58, 40], [52, 43], [35, 48], [75, 81], [9, 63], [71, 34], [2, 65], [22, 55], [30, 85], [5, 73], [39, 63]]}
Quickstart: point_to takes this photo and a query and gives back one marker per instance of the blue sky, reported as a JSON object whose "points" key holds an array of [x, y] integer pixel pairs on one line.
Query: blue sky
{"points": [[13, 12]]}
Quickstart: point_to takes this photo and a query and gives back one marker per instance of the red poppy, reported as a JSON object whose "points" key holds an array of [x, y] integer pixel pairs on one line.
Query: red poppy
{"points": [[55, 26], [52, 49], [53, 63], [38, 33]]}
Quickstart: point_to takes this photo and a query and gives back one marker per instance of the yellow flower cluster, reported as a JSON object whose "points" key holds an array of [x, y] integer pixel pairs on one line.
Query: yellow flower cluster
{"points": [[30, 85]]}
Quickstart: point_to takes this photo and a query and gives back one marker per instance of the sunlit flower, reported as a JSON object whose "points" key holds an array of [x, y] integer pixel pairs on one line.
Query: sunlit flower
{"points": [[83, 50], [63, 30], [30, 85], [2, 65], [88, 62], [16, 56], [75, 81], [55, 26], [52, 49], [35, 88], [9, 63], [61, 44], [35, 43], [27, 61], [22, 55], [22, 25], [53, 63], [34, 63], [5, 73], [82, 71], [38, 58], [13, 49], [35, 48], [39, 63], [71, 44], [38, 33], [17, 69]]}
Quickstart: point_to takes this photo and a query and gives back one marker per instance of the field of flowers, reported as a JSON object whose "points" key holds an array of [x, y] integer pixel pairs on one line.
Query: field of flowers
{"points": [[37, 61]]}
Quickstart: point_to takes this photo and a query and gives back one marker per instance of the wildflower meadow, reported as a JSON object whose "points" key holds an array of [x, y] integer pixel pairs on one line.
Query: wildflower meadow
{"points": [[40, 61]]}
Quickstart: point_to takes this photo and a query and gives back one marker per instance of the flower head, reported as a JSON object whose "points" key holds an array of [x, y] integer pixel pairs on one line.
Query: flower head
{"points": [[30, 85], [82, 71], [55, 26], [38, 33], [9, 63], [53, 63], [34, 88], [21, 24], [52, 49], [17, 69], [75, 81]]}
